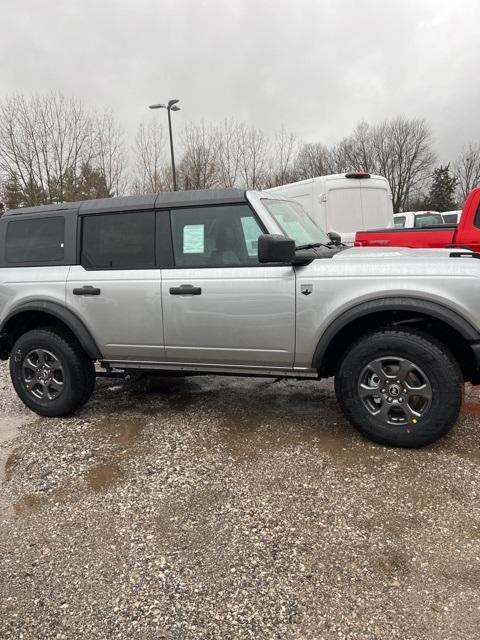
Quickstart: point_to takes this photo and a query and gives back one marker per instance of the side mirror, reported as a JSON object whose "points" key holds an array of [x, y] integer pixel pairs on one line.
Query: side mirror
{"points": [[275, 248], [335, 238]]}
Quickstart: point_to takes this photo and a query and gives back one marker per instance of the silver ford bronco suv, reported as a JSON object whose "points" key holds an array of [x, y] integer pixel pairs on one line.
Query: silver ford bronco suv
{"points": [[240, 283]]}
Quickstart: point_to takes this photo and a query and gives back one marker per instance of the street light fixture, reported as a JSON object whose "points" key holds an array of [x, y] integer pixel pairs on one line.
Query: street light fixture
{"points": [[170, 106]]}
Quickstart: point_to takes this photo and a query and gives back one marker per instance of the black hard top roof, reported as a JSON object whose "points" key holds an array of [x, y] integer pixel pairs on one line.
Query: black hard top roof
{"points": [[162, 200]]}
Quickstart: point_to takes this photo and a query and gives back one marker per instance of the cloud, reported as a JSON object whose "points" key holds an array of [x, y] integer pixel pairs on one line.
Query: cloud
{"points": [[316, 66]]}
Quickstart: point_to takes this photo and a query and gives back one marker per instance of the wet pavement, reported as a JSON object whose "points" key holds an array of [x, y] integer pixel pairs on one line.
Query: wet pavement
{"points": [[208, 507]]}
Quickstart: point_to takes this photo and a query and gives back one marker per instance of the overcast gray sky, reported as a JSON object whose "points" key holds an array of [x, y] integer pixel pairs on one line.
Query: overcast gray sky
{"points": [[317, 66]]}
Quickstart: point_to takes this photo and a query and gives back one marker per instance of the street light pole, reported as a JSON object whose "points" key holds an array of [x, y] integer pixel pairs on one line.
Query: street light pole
{"points": [[174, 175], [170, 106]]}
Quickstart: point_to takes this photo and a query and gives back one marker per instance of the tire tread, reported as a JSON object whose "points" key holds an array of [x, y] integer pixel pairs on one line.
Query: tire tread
{"points": [[435, 356], [81, 370]]}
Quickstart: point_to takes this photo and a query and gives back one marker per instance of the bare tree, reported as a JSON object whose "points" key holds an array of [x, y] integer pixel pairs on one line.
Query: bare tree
{"points": [[313, 159], [254, 148], [149, 171], [467, 170], [228, 153], [110, 152], [340, 157], [42, 140], [198, 166], [404, 155], [399, 149], [52, 149], [281, 168], [362, 153]]}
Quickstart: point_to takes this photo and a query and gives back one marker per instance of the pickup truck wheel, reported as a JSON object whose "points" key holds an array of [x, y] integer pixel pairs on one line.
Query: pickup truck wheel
{"points": [[400, 388], [51, 373]]}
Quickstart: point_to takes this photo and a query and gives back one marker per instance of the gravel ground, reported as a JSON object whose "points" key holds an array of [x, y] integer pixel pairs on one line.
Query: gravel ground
{"points": [[232, 508]]}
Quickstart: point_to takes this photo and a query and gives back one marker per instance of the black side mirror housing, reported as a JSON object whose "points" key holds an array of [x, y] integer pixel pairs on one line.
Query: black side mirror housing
{"points": [[335, 238], [275, 248]]}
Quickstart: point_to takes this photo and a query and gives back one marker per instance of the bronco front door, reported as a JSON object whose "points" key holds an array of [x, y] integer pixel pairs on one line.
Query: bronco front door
{"points": [[220, 305]]}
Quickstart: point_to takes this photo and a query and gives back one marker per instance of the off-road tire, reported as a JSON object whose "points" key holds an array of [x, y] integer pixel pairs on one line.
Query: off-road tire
{"points": [[436, 363], [77, 369]]}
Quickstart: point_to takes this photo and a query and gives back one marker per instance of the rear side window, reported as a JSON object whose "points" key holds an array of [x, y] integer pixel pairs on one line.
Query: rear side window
{"points": [[399, 222], [35, 240], [119, 241], [427, 220], [450, 218]]}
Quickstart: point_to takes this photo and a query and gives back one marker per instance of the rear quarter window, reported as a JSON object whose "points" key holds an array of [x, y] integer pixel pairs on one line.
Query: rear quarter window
{"points": [[35, 240]]}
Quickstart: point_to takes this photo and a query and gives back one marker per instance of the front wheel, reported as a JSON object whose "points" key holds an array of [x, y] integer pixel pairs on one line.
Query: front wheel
{"points": [[51, 373], [400, 388]]}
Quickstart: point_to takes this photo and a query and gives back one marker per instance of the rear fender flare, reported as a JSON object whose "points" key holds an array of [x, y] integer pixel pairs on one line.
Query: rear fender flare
{"points": [[63, 314]]}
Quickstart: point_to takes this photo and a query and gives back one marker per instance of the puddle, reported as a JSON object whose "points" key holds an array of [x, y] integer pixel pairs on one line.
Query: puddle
{"points": [[469, 454], [9, 426], [29, 503], [253, 433], [392, 565], [471, 408], [97, 479], [123, 430], [9, 466], [171, 394], [33, 501], [102, 477], [468, 448], [342, 449]]}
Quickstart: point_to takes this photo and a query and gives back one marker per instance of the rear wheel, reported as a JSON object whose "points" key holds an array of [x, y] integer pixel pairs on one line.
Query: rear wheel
{"points": [[51, 373], [400, 388]]}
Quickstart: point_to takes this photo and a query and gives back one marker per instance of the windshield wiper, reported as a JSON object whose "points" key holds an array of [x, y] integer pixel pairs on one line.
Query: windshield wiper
{"points": [[314, 245]]}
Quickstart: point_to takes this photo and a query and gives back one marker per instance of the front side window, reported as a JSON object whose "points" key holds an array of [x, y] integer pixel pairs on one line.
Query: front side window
{"points": [[35, 240], [295, 223], [215, 236], [399, 222], [119, 241]]}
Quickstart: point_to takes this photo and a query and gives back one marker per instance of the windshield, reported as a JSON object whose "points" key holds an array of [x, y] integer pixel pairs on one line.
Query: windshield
{"points": [[295, 223]]}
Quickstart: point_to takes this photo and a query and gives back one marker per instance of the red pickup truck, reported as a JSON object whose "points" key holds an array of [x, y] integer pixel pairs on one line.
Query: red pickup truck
{"points": [[465, 235]]}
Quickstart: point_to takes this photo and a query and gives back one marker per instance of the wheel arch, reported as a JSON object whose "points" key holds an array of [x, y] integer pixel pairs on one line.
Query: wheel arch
{"points": [[440, 321], [31, 315]]}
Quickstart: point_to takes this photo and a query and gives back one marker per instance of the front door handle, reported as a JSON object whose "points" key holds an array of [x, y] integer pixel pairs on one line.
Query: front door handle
{"points": [[185, 290], [87, 290]]}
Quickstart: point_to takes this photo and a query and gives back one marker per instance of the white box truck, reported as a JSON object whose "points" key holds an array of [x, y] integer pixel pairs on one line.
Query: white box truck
{"points": [[343, 202]]}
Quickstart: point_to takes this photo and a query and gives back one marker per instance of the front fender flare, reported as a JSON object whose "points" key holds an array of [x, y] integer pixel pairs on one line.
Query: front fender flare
{"points": [[416, 305]]}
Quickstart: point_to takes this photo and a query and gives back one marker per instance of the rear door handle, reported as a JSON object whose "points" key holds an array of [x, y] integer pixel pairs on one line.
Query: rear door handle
{"points": [[87, 290], [185, 290]]}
